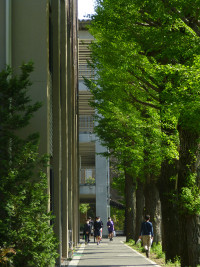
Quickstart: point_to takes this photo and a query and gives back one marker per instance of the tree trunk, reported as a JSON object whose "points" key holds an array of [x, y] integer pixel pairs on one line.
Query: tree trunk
{"points": [[153, 207], [190, 223], [139, 208], [170, 227], [193, 238], [130, 189]]}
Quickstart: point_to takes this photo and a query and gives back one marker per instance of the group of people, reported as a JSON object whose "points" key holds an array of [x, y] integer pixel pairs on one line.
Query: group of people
{"points": [[146, 232], [97, 227]]}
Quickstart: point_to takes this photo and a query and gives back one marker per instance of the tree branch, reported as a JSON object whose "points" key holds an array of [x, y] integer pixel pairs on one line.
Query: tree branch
{"points": [[142, 102], [156, 89], [193, 24], [151, 95]]}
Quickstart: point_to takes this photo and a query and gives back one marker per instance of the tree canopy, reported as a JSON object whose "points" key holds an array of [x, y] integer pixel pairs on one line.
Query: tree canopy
{"points": [[146, 90]]}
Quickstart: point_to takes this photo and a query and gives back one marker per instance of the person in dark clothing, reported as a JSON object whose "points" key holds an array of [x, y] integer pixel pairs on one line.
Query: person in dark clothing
{"points": [[97, 229], [110, 226], [91, 222], [146, 234], [87, 231]]}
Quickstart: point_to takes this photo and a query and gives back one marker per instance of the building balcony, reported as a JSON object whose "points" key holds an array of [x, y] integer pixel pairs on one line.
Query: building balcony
{"points": [[87, 183], [87, 192], [86, 137]]}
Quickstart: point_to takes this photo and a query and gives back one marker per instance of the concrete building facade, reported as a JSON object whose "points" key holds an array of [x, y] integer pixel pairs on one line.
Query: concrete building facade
{"points": [[94, 168], [45, 32]]}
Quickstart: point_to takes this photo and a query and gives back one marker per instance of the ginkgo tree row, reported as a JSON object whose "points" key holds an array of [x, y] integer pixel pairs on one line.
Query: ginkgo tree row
{"points": [[146, 57]]}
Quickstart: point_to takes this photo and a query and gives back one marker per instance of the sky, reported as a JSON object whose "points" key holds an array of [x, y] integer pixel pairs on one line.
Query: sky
{"points": [[85, 7]]}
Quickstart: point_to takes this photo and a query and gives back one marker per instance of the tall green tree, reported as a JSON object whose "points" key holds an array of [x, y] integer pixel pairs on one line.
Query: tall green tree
{"points": [[24, 221], [119, 140], [122, 130], [147, 54]]}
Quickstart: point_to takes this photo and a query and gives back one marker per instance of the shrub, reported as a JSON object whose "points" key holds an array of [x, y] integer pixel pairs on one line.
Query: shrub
{"points": [[25, 231]]}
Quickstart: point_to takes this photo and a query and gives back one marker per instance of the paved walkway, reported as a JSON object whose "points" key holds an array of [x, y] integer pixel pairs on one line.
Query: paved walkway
{"points": [[109, 254]]}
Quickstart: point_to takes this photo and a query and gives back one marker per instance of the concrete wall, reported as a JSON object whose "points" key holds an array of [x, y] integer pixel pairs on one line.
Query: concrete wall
{"points": [[88, 191], [30, 43], [30, 40]]}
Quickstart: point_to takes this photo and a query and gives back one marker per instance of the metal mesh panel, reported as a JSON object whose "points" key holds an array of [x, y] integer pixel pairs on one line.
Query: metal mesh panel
{"points": [[84, 107], [86, 124], [84, 55]]}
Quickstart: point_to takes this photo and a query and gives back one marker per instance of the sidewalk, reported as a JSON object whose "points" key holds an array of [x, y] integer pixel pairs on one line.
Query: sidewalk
{"points": [[109, 254]]}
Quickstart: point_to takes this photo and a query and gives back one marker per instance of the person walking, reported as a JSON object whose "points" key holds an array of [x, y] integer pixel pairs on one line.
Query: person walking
{"points": [[110, 225], [101, 231], [146, 234], [91, 222], [87, 231], [97, 229]]}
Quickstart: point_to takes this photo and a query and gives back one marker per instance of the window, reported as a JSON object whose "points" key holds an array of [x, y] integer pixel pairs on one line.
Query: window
{"points": [[86, 124]]}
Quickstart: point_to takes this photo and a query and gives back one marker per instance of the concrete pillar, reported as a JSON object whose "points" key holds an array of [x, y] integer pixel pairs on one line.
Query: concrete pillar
{"points": [[56, 123], [69, 105], [8, 34], [2, 34], [75, 122], [64, 127], [102, 186]]}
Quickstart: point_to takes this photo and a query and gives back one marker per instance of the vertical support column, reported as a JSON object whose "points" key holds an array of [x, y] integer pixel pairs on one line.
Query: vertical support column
{"points": [[102, 186], [56, 123], [75, 126], [8, 39], [76, 188], [69, 107], [64, 127]]}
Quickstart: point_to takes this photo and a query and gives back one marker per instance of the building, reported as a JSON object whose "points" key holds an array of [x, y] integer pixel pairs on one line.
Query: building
{"points": [[94, 168], [45, 32]]}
